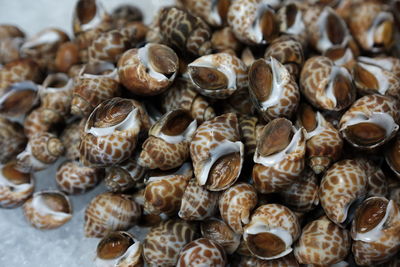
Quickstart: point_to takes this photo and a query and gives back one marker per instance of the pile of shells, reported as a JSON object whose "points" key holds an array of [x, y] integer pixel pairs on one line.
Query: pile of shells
{"points": [[243, 132]]}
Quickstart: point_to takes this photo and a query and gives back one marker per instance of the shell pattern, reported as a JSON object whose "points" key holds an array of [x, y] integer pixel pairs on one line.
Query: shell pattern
{"points": [[12, 139]]}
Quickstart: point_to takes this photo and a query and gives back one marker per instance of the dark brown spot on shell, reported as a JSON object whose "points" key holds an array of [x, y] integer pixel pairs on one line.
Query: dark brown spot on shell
{"points": [[291, 13], [275, 137], [265, 244], [365, 133], [113, 245], [223, 7], [370, 214], [208, 78]]}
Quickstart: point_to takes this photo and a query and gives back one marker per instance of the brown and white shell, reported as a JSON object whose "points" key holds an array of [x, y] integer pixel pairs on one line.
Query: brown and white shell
{"points": [[286, 261], [10, 31], [236, 205], [111, 132], [217, 153], [202, 252], [15, 186], [291, 18], [18, 99], [108, 46], [224, 40], [371, 121], [42, 150], [125, 13], [375, 231], [110, 212], [218, 75], [343, 186], [89, 15], [34, 124], [74, 178], [96, 82], [71, 138], [272, 230], [10, 49], [12, 139], [279, 157], [378, 186], [212, 12], [325, 85], [324, 143], [322, 243], [253, 21], [273, 89], [20, 70], [47, 209], [163, 243], [119, 249], [67, 55]]}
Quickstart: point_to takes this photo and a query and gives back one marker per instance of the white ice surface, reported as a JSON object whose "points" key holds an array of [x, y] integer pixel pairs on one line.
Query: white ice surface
{"points": [[20, 244]]}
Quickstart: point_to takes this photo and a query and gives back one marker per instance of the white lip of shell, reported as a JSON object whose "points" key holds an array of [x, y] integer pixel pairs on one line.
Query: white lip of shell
{"points": [[209, 62], [132, 250], [380, 77], [131, 122], [260, 227], [47, 37], [58, 76], [184, 170], [280, 77], [103, 66], [336, 70], [33, 161], [379, 118], [214, 14], [16, 188], [324, 43], [254, 30], [375, 233], [382, 16], [298, 26], [319, 129], [39, 206], [143, 54], [97, 19], [19, 86], [347, 57], [340, 264], [279, 156], [383, 63], [186, 135], [223, 148]]}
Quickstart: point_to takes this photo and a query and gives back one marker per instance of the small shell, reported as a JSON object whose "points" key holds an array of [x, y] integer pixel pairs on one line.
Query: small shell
{"points": [[182, 95], [19, 70], [163, 243], [273, 89], [197, 202], [10, 49], [89, 15], [217, 153], [148, 70], [34, 124], [71, 138], [291, 17], [377, 182], [325, 85], [110, 212], [111, 132], [253, 21], [55, 96], [12, 139], [167, 146], [18, 99], [67, 55], [108, 46], [218, 75], [212, 12], [42, 150], [15, 186], [221, 233], [224, 40], [342, 187], [324, 144], [48, 209], [248, 130], [375, 231], [302, 195], [202, 252], [73, 178], [371, 121], [119, 249], [184, 31], [10, 31], [279, 156], [239, 102], [96, 82], [272, 230], [135, 32], [236, 205], [125, 13], [322, 243]]}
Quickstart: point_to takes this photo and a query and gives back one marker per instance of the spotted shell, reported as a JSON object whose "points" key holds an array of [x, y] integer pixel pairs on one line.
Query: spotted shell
{"points": [[126, 13], [375, 231], [71, 138], [108, 46], [277, 171], [217, 153], [325, 85], [10, 31], [286, 261], [89, 15], [67, 55], [218, 75], [272, 230], [214, 13], [12, 139], [10, 49], [248, 130], [371, 121], [47, 209], [253, 21], [18, 99], [111, 132], [224, 40], [20, 70], [204, 252], [34, 124], [291, 16], [236, 205], [342, 187], [272, 89], [73, 178], [163, 243], [15, 186], [322, 243], [96, 82], [110, 212], [42, 150], [377, 182]]}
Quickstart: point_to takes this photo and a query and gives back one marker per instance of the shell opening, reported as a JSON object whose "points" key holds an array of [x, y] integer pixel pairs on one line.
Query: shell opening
{"points": [[370, 77], [90, 14], [178, 128], [114, 245], [52, 203], [95, 69], [332, 29], [268, 24], [49, 36], [58, 80], [372, 215], [26, 161], [19, 98], [381, 33], [17, 181], [275, 137], [393, 156], [294, 21], [349, 210], [339, 88], [308, 117], [340, 55], [223, 7]]}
